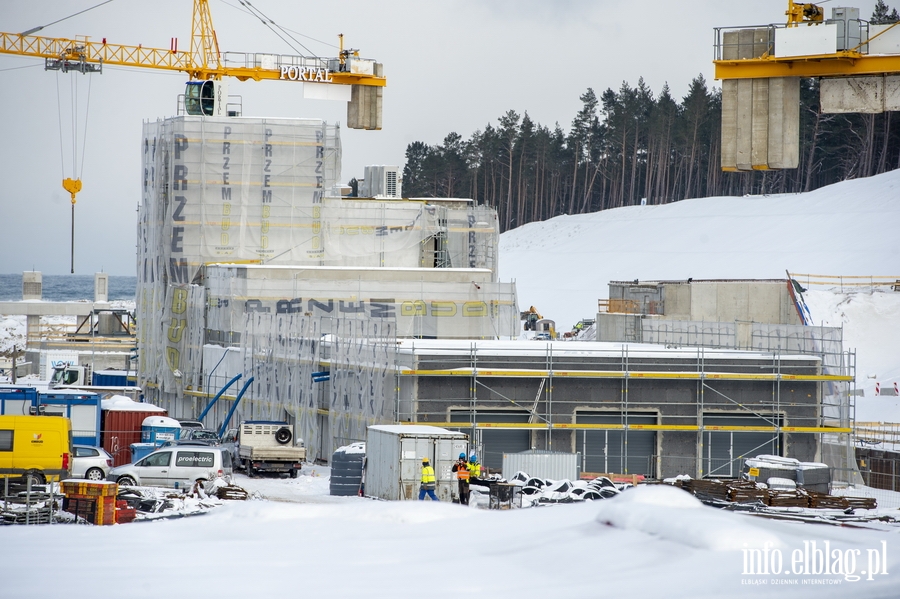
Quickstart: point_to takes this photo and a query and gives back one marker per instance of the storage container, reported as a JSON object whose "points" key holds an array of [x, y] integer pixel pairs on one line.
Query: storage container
{"points": [[122, 427], [394, 460], [542, 464]]}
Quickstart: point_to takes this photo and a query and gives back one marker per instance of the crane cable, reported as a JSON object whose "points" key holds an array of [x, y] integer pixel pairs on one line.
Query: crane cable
{"points": [[73, 186]]}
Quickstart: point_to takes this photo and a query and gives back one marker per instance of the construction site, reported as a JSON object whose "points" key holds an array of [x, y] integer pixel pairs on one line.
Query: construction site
{"points": [[343, 309]]}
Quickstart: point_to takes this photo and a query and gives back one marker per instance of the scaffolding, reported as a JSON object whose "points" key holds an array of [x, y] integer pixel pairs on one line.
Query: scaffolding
{"points": [[699, 395]]}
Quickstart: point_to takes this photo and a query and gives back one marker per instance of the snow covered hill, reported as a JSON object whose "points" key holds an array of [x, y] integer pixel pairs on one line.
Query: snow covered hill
{"points": [[563, 266]]}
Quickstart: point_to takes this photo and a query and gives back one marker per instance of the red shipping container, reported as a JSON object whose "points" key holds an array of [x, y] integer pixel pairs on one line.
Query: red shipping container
{"points": [[121, 428]]}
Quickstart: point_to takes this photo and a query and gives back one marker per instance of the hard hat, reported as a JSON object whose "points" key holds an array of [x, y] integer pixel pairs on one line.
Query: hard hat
{"points": [[424, 460], [473, 457], [462, 456]]}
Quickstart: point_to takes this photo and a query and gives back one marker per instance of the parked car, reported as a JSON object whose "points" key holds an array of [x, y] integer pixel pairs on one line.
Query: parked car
{"points": [[178, 466], [92, 463], [199, 434]]}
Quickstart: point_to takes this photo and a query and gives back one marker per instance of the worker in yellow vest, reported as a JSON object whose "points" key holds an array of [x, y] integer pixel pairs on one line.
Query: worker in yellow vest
{"points": [[461, 467], [475, 471], [428, 481]]}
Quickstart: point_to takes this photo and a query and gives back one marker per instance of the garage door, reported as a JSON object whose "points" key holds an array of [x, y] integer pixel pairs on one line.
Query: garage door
{"points": [[496, 442], [724, 451], [617, 451]]}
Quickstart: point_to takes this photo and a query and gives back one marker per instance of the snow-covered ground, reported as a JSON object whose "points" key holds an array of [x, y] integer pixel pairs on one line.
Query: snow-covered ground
{"points": [[648, 542], [563, 266]]}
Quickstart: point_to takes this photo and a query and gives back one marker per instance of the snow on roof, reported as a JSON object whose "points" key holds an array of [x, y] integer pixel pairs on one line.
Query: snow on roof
{"points": [[121, 403], [415, 429]]}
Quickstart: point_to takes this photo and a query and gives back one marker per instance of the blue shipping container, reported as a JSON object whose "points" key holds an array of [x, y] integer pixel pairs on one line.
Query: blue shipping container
{"points": [[82, 408]]}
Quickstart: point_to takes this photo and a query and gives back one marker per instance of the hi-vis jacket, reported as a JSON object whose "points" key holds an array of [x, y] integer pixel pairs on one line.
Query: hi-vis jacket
{"points": [[474, 469], [428, 475], [462, 471]]}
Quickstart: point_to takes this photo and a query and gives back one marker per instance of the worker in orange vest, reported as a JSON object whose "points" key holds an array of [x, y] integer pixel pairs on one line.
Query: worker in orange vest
{"points": [[461, 467]]}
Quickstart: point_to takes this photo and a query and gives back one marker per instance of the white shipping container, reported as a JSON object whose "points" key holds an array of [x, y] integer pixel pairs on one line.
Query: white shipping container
{"points": [[394, 460], [542, 464]]}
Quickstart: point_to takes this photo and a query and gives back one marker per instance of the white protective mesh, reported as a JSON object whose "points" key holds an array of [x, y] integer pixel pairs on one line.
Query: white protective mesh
{"points": [[283, 351]]}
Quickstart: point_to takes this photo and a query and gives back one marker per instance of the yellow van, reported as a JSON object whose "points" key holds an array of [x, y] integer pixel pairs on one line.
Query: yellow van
{"points": [[36, 447]]}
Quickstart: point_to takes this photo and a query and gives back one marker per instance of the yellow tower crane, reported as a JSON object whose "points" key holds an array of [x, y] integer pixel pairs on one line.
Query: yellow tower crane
{"points": [[206, 66]]}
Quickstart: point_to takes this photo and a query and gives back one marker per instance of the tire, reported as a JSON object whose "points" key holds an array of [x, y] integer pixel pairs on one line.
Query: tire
{"points": [[126, 481], [283, 436], [36, 478], [294, 473], [94, 474]]}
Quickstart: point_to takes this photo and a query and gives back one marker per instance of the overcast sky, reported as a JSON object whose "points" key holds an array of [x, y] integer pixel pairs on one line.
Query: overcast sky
{"points": [[453, 65]]}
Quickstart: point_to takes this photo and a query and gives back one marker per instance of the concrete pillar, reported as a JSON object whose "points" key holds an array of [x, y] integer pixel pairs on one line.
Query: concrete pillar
{"points": [[364, 108], [784, 122], [101, 287], [744, 120], [759, 126], [760, 117], [32, 285]]}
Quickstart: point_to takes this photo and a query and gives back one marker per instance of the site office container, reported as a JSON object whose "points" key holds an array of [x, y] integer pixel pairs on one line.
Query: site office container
{"points": [[17, 400], [121, 428], [40, 445], [394, 460], [82, 408]]}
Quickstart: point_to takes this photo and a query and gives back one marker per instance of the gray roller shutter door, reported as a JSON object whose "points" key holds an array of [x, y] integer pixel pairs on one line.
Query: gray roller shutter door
{"points": [[607, 451], [724, 451], [496, 442]]}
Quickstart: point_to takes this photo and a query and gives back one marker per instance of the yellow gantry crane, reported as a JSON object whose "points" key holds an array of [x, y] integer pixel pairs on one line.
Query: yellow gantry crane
{"points": [[857, 64], [852, 60], [206, 93]]}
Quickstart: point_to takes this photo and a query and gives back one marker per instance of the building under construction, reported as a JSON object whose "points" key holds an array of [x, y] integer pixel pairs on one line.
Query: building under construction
{"points": [[338, 313]]}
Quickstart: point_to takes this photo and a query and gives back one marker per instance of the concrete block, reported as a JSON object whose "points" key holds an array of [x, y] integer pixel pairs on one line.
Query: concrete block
{"points": [[852, 94], [784, 123], [744, 120], [729, 123], [704, 302], [892, 91], [759, 124], [730, 42], [765, 301]]}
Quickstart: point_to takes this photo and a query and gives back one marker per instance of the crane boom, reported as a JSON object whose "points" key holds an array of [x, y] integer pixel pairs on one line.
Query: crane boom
{"points": [[203, 62], [66, 54]]}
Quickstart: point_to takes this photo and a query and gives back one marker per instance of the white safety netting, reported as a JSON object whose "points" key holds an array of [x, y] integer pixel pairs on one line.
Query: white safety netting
{"points": [[331, 377]]}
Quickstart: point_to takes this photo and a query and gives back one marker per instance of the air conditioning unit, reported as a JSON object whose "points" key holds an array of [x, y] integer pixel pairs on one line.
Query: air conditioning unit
{"points": [[381, 182]]}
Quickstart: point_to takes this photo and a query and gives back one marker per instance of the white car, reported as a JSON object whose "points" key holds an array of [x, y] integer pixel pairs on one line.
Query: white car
{"points": [[179, 466], [92, 463]]}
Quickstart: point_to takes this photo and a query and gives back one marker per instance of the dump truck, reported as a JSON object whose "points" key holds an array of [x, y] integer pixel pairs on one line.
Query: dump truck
{"points": [[269, 446]]}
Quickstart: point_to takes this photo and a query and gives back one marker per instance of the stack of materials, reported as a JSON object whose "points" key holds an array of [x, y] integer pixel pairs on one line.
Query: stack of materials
{"points": [[812, 476], [745, 491], [707, 490], [347, 464], [820, 500], [95, 502], [861, 503], [124, 513], [788, 499]]}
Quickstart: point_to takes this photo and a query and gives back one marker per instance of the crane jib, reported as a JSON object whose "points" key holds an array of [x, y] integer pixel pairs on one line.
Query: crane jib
{"points": [[306, 74]]}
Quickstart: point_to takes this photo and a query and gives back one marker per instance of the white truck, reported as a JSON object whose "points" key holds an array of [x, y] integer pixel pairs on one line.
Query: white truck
{"points": [[269, 446]]}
